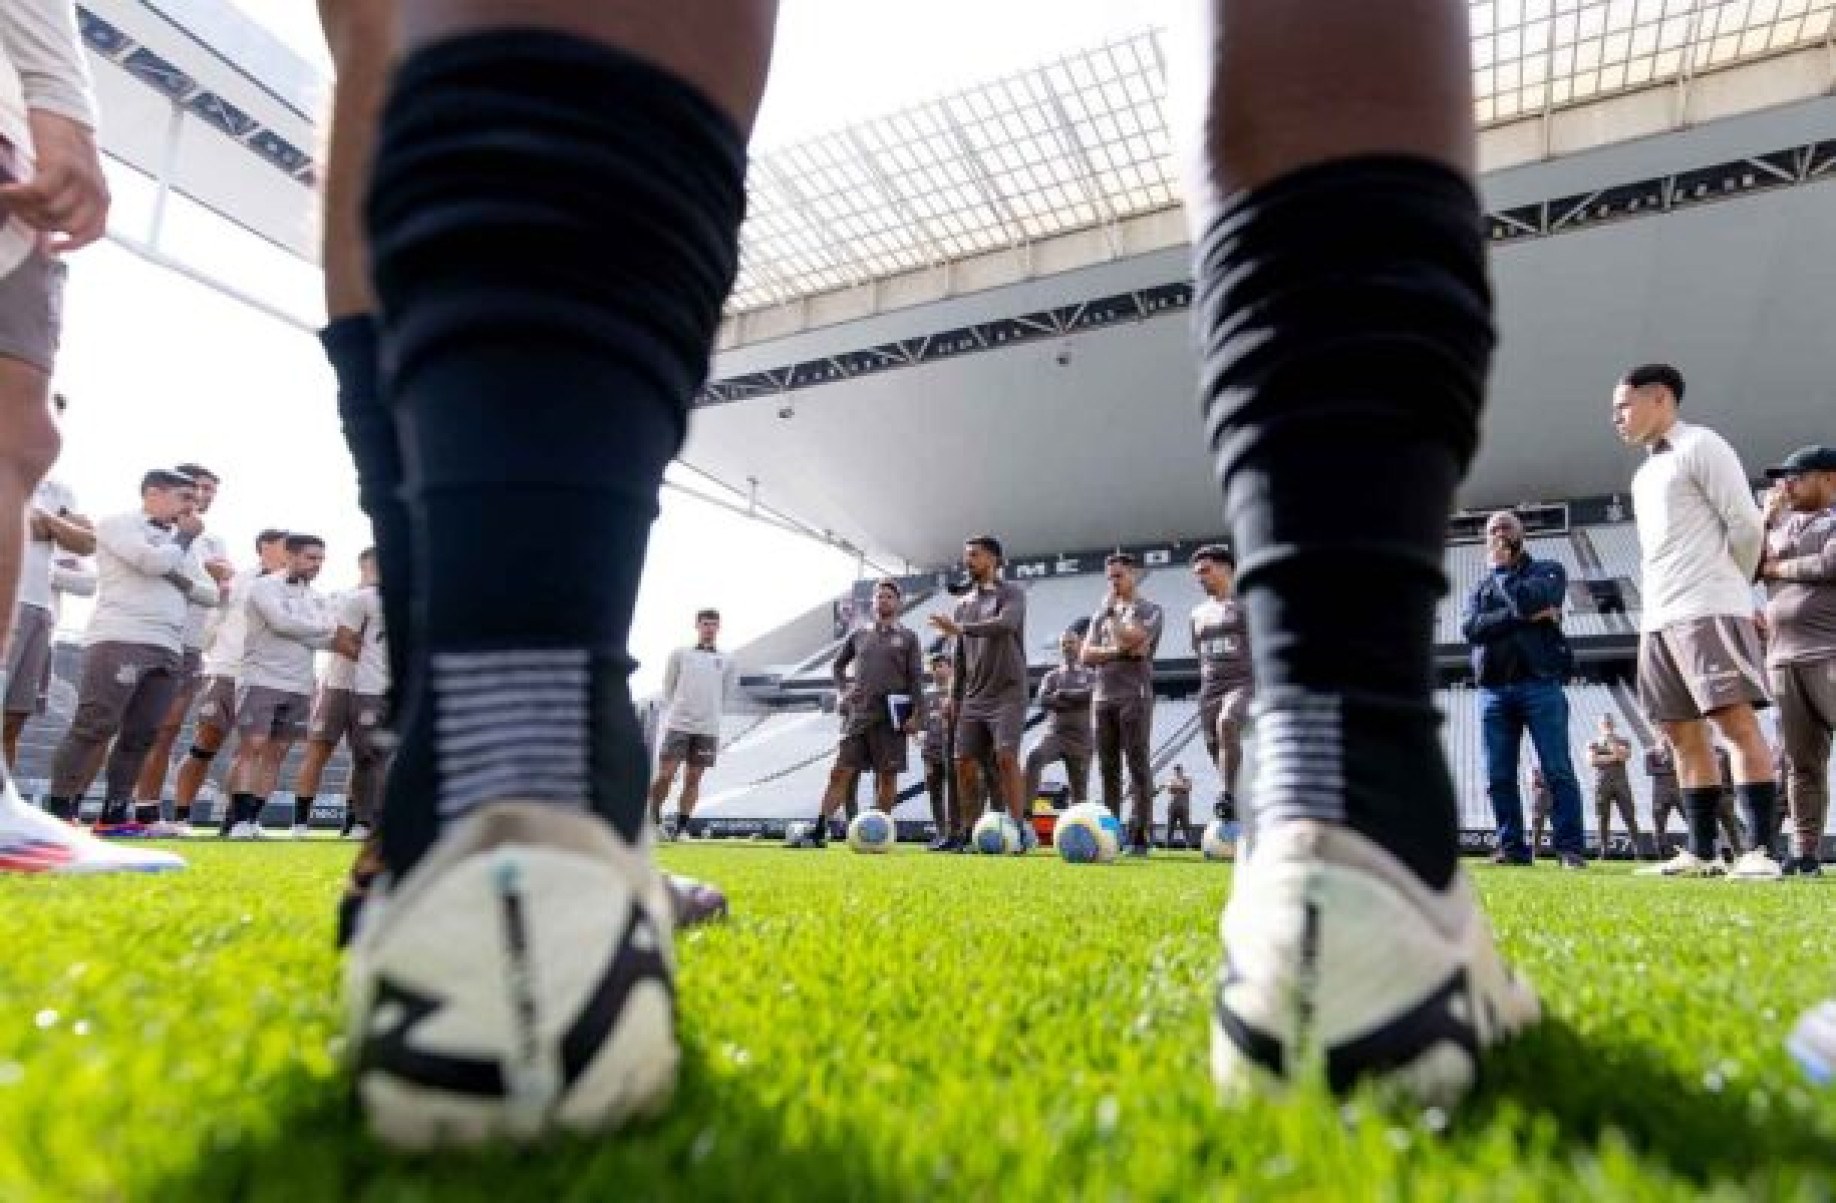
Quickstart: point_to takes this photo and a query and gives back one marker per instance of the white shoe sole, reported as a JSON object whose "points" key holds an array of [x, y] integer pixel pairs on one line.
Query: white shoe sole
{"points": [[518, 983], [1341, 966]]}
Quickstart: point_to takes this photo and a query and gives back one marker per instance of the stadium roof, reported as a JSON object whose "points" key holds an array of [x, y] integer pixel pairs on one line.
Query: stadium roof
{"points": [[1083, 142]]}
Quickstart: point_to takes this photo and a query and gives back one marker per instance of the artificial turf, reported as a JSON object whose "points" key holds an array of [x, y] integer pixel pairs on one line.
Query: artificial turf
{"points": [[918, 1027]]}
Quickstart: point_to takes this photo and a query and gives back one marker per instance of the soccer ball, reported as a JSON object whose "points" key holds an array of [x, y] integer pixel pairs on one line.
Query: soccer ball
{"points": [[1088, 834], [462, 1034], [1220, 841], [872, 831], [996, 835]]}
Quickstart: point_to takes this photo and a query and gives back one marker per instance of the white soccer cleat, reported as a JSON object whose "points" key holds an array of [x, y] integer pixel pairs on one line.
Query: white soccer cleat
{"points": [[1339, 963], [299, 831], [32, 841], [245, 831], [1756, 865], [359, 833], [166, 829], [1812, 1044], [518, 983], [1684, 864]]}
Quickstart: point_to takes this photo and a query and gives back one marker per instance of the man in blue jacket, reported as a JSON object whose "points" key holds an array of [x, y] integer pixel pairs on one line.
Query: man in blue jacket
{"points": [[1513, 619]]}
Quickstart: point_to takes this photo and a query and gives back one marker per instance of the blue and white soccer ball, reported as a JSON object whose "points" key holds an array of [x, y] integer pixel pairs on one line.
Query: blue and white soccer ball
{"points": [[996, 835], [872, 831], [1088, 834], [1219, 841]]}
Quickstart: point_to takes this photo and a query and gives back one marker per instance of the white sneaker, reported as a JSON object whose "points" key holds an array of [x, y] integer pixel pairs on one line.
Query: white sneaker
{"points": [[166, 829], [1684, 864], [299, 831], [1756, 865], [516, 984], [32, 841], [1812, 1044], [245, 831], [1339, 962], [359, 833]]}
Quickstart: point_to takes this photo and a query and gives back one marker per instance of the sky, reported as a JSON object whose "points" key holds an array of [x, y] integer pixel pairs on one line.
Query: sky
{"points": [[160, 369]]}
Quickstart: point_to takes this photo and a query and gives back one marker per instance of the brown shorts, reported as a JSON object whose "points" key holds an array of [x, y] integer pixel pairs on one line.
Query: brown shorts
{"points": [[191, 678], [880, 748], [341, 714], [700, 751], [1233, 704], [997, 728], [32, 310], [28, 661], [277, 713], [1690, 669], [219, 705]]}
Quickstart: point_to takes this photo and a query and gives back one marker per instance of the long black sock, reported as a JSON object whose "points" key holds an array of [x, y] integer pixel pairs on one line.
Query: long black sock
{"points": [[1702, 807], [555, 226], [302, 809], [1759, 810], [351, 346], [1346, 325]]}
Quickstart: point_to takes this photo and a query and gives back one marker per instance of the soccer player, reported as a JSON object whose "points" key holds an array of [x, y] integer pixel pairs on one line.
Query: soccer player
{"points": [[54, 526], [1124, 636], [1661, 767], [1699, 658], [885, 708], [939, 761], [1799, 570], [1065, 694], [1344, 321], [352, 706], [146, 574], [1179, 809], [988, 631], [1542, 802], [213, 552], [222, 668], [696, 684], [53, 201], [286, 622], [1608, 754], [1220, 641]]}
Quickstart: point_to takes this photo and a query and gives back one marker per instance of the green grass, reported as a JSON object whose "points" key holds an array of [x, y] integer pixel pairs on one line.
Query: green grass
{"points": [[918, 1027]]}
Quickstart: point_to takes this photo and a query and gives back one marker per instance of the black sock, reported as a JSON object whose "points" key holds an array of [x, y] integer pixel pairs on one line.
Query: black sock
{"points": [[555, 226], [302, 809], [244, 808], [1346, 325], [181, 812], [369, 430], [146, 812], [60, 808], [1702, 807], [1759, 808]]}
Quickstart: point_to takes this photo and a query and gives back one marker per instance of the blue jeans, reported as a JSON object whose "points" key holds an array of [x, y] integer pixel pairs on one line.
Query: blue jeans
{"points": [[1505, 713]]}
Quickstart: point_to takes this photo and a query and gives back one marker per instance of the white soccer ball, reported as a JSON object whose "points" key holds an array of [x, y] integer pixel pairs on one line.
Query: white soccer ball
{"points": [[1088, 834], [520, 992], [1219, 841], [996, 835], [872, 831]]}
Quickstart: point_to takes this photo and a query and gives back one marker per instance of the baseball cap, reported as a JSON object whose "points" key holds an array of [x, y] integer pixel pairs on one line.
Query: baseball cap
{"points": [[1805, 459]]}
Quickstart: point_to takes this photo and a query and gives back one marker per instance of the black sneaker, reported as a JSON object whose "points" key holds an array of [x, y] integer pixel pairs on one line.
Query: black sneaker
{"points": [[1571, 860], [1809, 866], [1505, 856]]}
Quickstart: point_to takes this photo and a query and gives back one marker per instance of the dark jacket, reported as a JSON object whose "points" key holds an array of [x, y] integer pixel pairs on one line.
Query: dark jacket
{"points": [[1507, 647]]}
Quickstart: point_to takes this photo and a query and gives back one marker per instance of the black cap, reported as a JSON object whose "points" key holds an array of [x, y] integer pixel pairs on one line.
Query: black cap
{"points": [[1805, 459]]}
